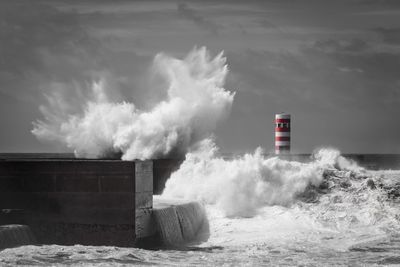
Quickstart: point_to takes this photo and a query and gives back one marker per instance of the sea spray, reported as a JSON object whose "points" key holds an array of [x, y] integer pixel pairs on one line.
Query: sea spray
{"points": [[332, 157], [196, 101], [268, 201], [351, 206], [240, 186]]}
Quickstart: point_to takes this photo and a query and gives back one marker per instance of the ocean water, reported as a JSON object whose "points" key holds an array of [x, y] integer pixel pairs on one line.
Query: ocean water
{"points": [[341, 215]]}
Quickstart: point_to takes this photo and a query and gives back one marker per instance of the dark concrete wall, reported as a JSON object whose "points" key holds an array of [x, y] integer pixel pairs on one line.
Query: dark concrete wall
{"points": [[72, 201], [162, 169], [144, 225], [15, 235]]}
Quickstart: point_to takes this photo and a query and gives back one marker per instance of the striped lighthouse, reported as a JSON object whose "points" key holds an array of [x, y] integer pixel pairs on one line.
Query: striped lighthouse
{"points": [[282, 133]]}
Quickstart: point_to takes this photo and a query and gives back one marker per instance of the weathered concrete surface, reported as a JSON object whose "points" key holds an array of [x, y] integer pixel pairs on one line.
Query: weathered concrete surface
{"points": [[70, 201], [12, 216], [144, 199], [162, 169], [76, 201], [180, 222], [167, 226], [14, 235]]}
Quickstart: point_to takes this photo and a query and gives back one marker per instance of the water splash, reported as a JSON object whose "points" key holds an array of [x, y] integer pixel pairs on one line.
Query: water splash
{"points": [[195, 102], [240, 186], [254, 199]]}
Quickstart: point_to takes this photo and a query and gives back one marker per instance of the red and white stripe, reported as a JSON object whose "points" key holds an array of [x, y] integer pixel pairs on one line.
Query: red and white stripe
{"points": [[282, 133]]}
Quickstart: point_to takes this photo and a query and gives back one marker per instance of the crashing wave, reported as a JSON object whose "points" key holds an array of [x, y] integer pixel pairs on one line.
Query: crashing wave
{"points": [[196, 101]]}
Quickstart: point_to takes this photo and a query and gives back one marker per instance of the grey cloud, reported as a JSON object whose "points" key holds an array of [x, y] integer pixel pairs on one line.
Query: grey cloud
{"points": [[342, 89], [40, 42], [338, 46], [342, 106], [267, 24], [186, 12], [389, 35], [384, 3], [39, 46]]}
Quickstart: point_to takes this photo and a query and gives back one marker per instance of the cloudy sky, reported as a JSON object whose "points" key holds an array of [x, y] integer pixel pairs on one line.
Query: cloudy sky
{"points": [[334, 65]]}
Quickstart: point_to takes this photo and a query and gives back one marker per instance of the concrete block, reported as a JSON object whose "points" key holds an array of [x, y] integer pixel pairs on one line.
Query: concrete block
{"points": [[144, 176], [162, 169], [12, 216], [144, 223], [167, 224], [103, 166], [15, 235], [106, 216], [49, 201], [143, 200], [117, 183], [45, 182], [193, 221], [69, 201], [14, 200], [77, 183], [10, 183], [93, 200]]}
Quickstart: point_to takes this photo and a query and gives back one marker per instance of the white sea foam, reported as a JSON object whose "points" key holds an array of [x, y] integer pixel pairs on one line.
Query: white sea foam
{"points": [[241, 186], [270, 201], [196, 101]]}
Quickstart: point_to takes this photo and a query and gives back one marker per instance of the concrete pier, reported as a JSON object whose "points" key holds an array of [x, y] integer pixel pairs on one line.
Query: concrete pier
{"points": [[68, 201], [180, 222]]}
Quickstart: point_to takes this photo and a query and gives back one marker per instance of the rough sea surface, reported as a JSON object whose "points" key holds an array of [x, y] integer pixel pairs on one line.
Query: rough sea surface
{"points": [[350, 218]]}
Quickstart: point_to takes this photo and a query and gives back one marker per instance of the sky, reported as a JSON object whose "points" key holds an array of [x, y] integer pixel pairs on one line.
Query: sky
{"points": [[333, 65]]}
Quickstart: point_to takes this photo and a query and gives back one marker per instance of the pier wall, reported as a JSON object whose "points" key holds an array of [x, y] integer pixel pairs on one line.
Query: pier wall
{"points": [[68, 201], [162, 169]]}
